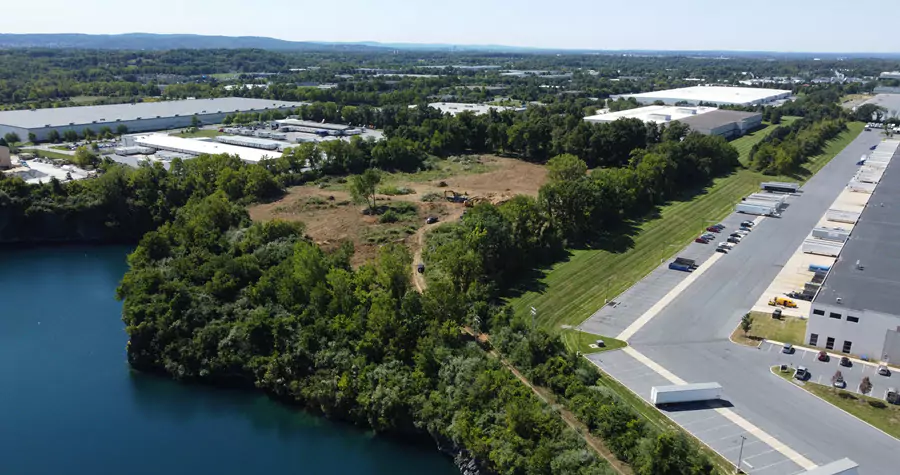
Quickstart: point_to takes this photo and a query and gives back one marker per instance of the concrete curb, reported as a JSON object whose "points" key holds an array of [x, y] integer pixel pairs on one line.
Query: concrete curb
{"points": [[832, 405]]}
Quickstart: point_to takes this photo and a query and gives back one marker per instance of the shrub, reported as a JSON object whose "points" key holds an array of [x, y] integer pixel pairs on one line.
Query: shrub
{"points": [[429, 197], [394, 191], [389, 216]]}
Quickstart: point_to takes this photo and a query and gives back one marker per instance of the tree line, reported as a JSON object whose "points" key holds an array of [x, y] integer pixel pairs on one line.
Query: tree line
{"points": [[786, 148]]}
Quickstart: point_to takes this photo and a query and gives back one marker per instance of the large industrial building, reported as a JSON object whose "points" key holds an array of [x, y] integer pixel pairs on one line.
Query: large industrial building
{"points": [[138, 117], [857, 308], [706, 120], [717, 95], [454, 108], [192, 148]]}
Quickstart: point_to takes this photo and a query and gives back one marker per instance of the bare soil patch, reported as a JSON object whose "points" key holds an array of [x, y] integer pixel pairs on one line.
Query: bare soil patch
{"points": [[332, 218]]}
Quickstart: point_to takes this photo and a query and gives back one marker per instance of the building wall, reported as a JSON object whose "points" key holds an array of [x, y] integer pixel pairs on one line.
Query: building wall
{"points": [[5, 160], [21, 132], [867, 336], [145, 124]]}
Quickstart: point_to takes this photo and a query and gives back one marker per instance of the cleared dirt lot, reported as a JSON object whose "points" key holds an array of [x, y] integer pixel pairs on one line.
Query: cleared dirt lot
{"points": [[331, 217]]}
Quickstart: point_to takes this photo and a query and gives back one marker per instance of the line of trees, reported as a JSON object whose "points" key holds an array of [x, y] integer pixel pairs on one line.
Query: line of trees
{"points": [[788, 147]]}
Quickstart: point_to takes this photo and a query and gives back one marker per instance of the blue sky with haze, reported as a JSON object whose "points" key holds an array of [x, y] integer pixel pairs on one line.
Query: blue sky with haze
{"points": [[771, 25]]}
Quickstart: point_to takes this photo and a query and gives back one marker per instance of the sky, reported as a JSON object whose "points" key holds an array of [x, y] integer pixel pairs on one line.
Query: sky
{"points": [[748, 25]]}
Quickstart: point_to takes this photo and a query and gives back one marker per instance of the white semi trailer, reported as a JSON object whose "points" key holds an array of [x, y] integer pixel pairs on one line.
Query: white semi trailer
{"points": [[760, 209], [685, 393]]}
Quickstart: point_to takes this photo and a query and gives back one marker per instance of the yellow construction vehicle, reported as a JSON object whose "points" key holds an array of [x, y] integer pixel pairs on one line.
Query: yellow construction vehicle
{"points": [[782, 301], [476, 200]]}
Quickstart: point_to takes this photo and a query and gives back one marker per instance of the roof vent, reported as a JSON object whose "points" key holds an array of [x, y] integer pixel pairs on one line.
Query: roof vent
{"points": [[859, 266], [838, 300]]}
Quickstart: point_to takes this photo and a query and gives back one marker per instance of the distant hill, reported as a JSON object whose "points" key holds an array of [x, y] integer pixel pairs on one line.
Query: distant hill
{"points": [[152, 41]]}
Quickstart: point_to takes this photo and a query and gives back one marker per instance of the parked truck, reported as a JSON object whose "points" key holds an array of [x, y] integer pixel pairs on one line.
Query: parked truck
{"points": [[685, 393], [758, 209], [780, 187], [683, 264]]}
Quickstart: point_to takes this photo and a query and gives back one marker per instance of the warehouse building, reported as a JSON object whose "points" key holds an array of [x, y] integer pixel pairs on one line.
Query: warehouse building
{"points": [[191, 147], [658, 114], [857, 308], [454, 108], [728, 124], [706, 120], [718, 95], [138, 117]]}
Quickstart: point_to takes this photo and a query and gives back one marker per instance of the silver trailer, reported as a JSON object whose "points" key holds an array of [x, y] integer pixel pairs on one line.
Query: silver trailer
{"points": [[780, 187]]}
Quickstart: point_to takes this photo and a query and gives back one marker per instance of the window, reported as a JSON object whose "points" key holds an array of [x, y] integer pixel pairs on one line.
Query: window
{"points": [[813, 339], [819, 312], [847, 345], [852, 319], [829, 343], [834, 315]]}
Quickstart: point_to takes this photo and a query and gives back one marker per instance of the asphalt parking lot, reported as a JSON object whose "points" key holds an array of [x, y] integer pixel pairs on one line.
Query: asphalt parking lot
{"points": [[617, 315], [822, 371], [701, 420]]}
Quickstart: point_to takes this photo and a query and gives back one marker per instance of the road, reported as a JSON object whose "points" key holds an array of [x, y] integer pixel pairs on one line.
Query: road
{"points": [[689, 338]]}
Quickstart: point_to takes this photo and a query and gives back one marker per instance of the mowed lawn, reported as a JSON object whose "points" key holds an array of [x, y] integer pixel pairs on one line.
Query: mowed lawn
{"points": [[576, 288]]}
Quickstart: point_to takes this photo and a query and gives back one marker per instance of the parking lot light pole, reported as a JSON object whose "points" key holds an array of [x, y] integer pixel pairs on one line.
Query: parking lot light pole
{"points": [[740, 456]]}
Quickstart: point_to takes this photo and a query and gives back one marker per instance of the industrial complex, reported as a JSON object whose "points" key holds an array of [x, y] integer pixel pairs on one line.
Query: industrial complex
{"points": [[703, 119], [137, 117], [717, 95], [855, 310], [454, 108]]}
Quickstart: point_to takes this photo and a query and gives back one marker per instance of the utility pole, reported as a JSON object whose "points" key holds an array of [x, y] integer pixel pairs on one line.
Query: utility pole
{"points": [[533, 315], [740, 455]]}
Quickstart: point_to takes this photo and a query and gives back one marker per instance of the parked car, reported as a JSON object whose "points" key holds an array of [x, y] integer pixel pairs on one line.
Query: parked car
{"points": [[702, 240], [883, 370], [709, 235], [719, 225], [802, 373], [838, 381], [723, 250], [787, 349], [846, 361], [734, 240], [822, 356], [714, 229], [736, 234], [748, 224], [868, 129], [431, 220]]}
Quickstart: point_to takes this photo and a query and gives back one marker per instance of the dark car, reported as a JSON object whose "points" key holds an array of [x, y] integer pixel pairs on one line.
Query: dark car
{"points": [[734, 240], [748, 224], [737, 235], [714, 229], [702, 240], [420, 268], [723, 250], [846, 361], [787, 349], [822, 356], [802, 373], [720, 226], [431, 220]]}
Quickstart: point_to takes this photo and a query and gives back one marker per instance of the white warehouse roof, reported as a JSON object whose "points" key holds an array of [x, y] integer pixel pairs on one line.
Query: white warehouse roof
{"points": [[199, 147], [63, 116], [712, 94], [454, 108], [658, 114]]}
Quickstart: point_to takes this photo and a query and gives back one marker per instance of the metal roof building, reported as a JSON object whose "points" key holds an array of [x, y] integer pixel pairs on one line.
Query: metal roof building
{"points": [[138, 117], [706, 120], [857, 309], [658, 114], [201, 147], [718, 95]]}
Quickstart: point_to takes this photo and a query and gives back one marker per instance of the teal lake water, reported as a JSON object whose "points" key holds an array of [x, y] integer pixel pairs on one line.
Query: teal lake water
{"points": [[70, 405]]}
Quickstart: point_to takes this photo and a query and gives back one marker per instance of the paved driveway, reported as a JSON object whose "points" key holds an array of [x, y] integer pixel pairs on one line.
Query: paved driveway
{"points": [[689, 338]]}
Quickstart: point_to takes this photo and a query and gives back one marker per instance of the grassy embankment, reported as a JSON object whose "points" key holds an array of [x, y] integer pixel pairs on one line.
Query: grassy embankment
{"points": [[786, 330], [576, 288], [869, 409]]}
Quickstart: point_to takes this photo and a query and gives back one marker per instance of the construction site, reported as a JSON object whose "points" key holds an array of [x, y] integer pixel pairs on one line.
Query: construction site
{"points": [[410, 203]]}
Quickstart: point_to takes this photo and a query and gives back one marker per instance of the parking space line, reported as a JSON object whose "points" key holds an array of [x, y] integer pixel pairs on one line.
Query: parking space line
{"points": [[747, 463], [737, 446], [767, 439], [653, 365], [733, 435], [711, 428], [699, 420], [761, 453], [668, 298], [760, 469]]}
